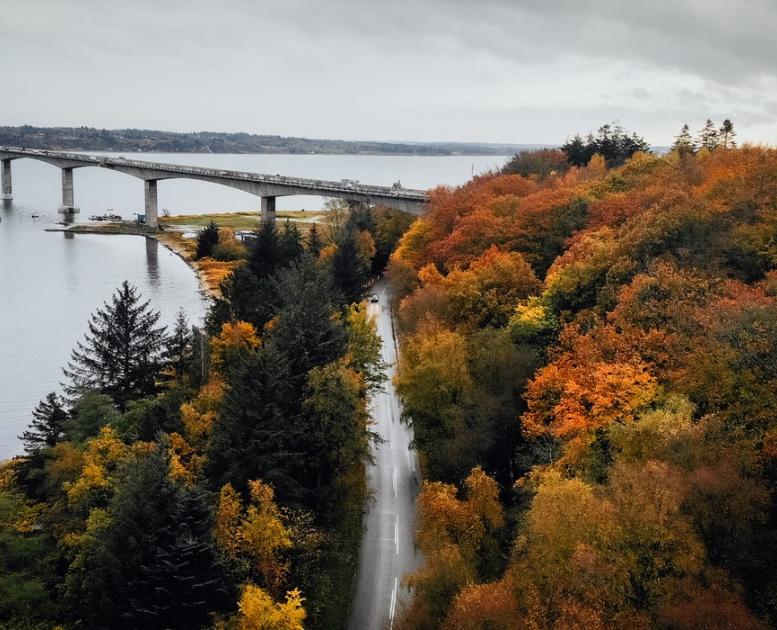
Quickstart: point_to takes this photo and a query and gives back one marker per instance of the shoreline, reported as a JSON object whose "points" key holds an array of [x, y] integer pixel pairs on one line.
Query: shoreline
{"points": [[209, 275]]}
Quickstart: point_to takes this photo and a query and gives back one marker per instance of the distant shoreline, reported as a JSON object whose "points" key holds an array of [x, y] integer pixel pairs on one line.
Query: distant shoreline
{"points": [[221, 143]]}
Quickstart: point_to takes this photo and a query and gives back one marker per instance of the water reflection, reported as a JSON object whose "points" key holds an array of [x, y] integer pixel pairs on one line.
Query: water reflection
{"points": [[152, 261]]}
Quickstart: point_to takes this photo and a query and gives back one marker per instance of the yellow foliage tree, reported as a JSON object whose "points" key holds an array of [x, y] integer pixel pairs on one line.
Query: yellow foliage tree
{"points": [[233, 339], [198, 415], [255, 533], [103, 454], [258, 611]]}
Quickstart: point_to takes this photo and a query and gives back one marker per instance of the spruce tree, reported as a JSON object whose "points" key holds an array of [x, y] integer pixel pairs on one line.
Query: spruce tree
{"points": [[243, 297], [314, 244], [252, 437], [708, 137], [122, 353], [727, 135], [683, 142], [48, 425], [178, 346], [207, 239], [151, 562], [264, 255], [576, 151], [305, 332], [289, 244], [349, 271]]}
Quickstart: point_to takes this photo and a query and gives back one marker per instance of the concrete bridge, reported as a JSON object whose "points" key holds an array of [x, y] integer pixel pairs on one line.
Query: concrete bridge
{"points": [[268, 187]]}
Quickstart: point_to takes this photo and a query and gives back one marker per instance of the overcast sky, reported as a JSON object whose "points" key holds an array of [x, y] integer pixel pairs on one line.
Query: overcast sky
{"points": [[528, 71]]}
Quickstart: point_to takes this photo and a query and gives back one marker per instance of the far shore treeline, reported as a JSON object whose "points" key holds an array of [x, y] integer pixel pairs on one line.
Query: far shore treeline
{"points": [[149, 140]]}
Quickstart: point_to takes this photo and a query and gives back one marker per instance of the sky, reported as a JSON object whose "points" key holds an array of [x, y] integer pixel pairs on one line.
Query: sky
{"points": [[517, 71]]}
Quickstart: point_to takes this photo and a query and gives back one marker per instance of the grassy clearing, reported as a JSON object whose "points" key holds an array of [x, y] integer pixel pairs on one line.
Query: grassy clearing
{"points": [[240, 220]]}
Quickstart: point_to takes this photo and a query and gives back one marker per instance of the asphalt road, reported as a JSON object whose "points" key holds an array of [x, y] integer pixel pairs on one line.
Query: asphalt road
{"points": [[387, 549]]}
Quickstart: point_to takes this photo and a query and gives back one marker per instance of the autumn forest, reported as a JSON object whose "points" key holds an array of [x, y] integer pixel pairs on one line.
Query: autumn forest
{"points": [[588, 361]]}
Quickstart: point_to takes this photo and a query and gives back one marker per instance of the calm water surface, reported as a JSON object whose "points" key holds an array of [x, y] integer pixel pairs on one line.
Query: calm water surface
{"points": [[51, 282]]}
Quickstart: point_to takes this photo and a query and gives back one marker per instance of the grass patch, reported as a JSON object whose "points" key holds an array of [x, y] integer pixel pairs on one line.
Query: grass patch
{"points": [[210, 271], [240, 220]]}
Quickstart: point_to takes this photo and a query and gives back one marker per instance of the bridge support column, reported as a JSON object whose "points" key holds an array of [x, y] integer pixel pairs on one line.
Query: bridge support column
{"points": [[152, 214], [68, 203], [7, 187], [268, 209]]}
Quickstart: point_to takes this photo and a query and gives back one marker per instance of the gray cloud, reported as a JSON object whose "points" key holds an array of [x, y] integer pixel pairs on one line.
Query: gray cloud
{"points": [[498, 70]]}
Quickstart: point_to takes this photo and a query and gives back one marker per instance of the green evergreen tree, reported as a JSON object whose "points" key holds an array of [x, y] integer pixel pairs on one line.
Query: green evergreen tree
{"points": [[264, 253], [149, 562], [349, 271], [611, 141], [683, 142], [252, 438], [207, 239], [121, 354], [178, 346], [576, 151], [47, 428], [244, 297], [708, 137], [306, 333], [727, 135], [289, 244]]}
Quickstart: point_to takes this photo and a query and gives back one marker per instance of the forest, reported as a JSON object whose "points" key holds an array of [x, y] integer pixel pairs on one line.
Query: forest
{"points": [[588, 360], [589, 363], [207, 478]]}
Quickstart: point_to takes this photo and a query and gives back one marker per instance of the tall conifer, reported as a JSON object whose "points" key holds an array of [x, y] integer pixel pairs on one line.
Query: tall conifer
{"points": [[122, 353]]}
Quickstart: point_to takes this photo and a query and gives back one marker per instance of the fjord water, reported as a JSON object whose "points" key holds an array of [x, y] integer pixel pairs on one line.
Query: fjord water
{"points": [[50, 282]]}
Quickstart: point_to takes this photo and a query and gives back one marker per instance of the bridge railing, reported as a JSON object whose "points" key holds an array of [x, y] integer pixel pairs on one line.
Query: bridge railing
{"points": [[315, 185]]}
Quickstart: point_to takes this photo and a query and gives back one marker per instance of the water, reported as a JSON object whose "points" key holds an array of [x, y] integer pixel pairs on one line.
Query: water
{"points": [[51, 282]]}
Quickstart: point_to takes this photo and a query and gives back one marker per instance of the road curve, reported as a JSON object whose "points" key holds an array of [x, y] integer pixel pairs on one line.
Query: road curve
{"points": [[387, 549]]}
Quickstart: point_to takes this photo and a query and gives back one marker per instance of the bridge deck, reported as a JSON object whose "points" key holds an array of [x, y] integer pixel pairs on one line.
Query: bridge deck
{"points": [[160, 170]]}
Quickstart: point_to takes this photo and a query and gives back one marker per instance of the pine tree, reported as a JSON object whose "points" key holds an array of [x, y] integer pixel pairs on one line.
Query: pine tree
{"points": [[47, 426], [121, 354], [178, 346], [289, 244], [264, 256], [244, 297], [150, 560], [683, 142], [576, 151], [314, 244], [305, 332], [349, 272], [251, 438], [207, 239], [727, 135], [708, 137]]}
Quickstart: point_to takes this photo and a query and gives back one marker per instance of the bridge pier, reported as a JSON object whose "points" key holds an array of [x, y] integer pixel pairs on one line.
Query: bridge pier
{"points": [[68, 203], [268, 209], [152, 214], [7, 187]]}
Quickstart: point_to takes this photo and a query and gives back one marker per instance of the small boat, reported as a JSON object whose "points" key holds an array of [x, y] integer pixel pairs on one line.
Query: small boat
{"points": [[109, 215], [35, 216]]}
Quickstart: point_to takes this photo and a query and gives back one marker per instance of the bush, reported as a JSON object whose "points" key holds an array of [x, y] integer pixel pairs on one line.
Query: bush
{"points": [[207, 239]]}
